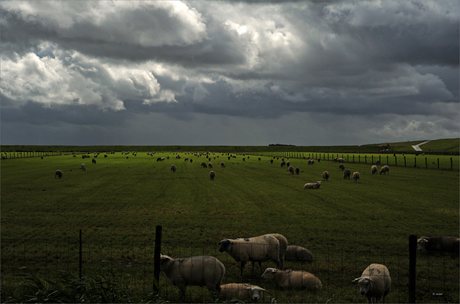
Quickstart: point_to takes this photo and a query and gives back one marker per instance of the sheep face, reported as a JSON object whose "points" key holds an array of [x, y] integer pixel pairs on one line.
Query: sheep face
{"points": [[421, 242], [255, 293], [269, 273], [224, 245], [365, 285]]}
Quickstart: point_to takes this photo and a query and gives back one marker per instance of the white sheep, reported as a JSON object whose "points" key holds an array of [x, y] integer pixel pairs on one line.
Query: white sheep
{"points": [[356, 177], [346, 174], [212, 174], [198, 271], [325, 175], [375, 282], [384, 170], [256, 249], [291, 169], [58, 173], [222, 164], [312, 185], [83, 167], [173, 168], [241, 292], [210, 165], [292, 279], [374, 169], [298, 254], [439, 244]]}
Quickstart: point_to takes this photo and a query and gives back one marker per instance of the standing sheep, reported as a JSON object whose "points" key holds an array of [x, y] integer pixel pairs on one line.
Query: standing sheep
{"points": [[291, 169], [356, 177], [374, 169], [312, 185], [212, 174], [292, 279], [58, 173], [298, 254], [297, 170], [342, 167], [203, 165], [283, 164], [384, 170], [222, 164], [83, 167], [209, 165], [346, 174], [375, 282], [93, 161], [325, 175], [241, 292], [198, 271], [439, 244], [173, 168], [256, 249]]}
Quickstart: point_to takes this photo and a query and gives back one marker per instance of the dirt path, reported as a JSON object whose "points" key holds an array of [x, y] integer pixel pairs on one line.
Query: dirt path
{"points": [[417, 147]]}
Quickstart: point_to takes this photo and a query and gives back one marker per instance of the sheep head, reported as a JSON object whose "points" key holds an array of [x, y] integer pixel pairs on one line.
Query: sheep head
{"points": [[365, 285], [224, 245], [269, 272]]}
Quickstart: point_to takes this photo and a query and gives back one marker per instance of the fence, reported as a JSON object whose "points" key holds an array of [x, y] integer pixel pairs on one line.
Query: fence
{"points": [[429, 278]]}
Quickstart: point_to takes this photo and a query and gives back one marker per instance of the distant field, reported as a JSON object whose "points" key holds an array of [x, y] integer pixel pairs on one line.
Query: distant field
{"points": [[118, 202]]}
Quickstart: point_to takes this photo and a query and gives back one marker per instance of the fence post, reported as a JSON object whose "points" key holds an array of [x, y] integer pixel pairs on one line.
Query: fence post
{"points": [[156, 259], [412, 266], [80, 258], [451, 164], [426, 162]]}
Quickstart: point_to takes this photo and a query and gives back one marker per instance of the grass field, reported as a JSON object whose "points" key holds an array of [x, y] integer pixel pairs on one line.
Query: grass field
{"points": [[118, 202]]}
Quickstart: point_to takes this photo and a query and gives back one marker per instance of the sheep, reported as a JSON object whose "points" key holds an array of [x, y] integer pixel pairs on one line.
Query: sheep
{"points": [[203, 165], [291, 169], [384, 170], [212, 174], [356, 177], [377, 162], [346, 174], [311, 161], [312, 185], [297, 170], [439, 244], [256, 249], [222, 164], [341, 167], [325, 175], [83, 167], [209, 165], [298, 253], [288, 163], [173, 168], [283, 164], [375, 282], [283, 247], [241, 291], [271, 161], [198, 271], [292, 279], [58, 173], [374, 169], [93, 161]]}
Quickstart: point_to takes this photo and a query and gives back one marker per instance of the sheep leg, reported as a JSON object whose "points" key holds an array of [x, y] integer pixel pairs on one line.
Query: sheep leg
{"points": [[241, 268]]}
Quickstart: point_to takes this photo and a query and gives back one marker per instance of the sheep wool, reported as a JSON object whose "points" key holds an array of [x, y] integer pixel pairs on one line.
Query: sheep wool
{"points": [[325, 175], [298, 254], [439, 244], [312, 185], [293, 279], [58, 174], [375, 282], [346, 174], [212, 174], [374, 169], [241, 292], [356, 177]]}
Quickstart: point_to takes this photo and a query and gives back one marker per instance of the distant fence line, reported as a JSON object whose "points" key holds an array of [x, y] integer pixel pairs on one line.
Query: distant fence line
{"points": [[141, 260]]}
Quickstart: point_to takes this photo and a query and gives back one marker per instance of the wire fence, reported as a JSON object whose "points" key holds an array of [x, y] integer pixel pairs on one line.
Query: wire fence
{"points": [[436, 279]]}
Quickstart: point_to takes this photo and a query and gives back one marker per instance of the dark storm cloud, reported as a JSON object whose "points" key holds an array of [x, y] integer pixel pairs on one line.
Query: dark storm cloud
{"points": [[103, 64]]}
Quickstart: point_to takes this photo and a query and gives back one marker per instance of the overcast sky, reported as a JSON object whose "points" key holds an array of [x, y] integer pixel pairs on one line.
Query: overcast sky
{"points": [[228, 73]]}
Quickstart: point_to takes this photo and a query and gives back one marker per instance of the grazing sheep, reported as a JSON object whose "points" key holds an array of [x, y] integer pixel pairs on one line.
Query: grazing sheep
{"points": [[375, 282], [271, 161], [173, 168], [341, 167], [292, 279], [288, 163], [297, 170], [241, 292], [256, 249], [311, 161], [325, 175], [283, 164], [384, 170], [83, 167], [212, 174], [377, 162], [374, 169], [356, 177], [439, 244], [312, 185], [203, 165], [93, 161], [198, 271], [210, 165], [346, 174], [58, 173], [298, 254], [291, 169], [222, 164]]}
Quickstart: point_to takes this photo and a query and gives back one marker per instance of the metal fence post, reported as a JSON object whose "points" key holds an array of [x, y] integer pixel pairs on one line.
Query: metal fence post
{"points": [[412, 266], [156, 259]]}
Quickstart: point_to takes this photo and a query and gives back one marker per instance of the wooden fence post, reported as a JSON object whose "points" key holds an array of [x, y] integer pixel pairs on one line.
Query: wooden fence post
{"points": [[156, 259], [412, 266], [80, 257]]}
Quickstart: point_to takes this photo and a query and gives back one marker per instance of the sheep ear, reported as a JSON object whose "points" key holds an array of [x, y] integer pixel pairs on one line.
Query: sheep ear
{"points": [[357, 279]]}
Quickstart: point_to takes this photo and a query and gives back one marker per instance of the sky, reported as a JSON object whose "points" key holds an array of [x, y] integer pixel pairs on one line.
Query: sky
{"points": [[228, 72]]}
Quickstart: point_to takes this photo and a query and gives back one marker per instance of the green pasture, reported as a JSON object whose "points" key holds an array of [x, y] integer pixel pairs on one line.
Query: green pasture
{"points": [[118, 202]]}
